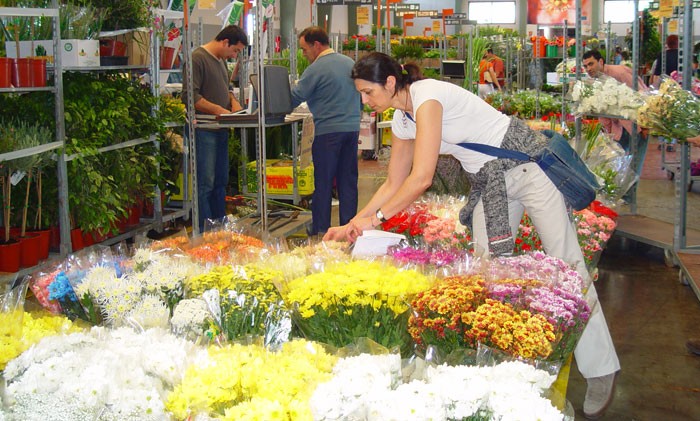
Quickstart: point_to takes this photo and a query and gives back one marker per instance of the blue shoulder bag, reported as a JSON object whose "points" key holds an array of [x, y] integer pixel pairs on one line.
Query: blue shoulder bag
{"points": [[560, 162]]}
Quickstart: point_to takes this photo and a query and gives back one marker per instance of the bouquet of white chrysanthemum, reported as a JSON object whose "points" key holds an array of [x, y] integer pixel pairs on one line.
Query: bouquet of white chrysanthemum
{"points": [[606, 96], [101, 374]]}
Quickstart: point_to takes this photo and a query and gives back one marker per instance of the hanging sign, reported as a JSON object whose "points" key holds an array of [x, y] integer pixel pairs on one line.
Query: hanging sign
{"points": [[437, 26], [207, 4], [363, 15]]}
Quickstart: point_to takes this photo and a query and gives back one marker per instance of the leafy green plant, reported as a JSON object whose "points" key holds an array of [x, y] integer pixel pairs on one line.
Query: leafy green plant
{"points": [[80, 22], [125, 14], [402, 52], [101, 110], [650, 43], [479, 47]]}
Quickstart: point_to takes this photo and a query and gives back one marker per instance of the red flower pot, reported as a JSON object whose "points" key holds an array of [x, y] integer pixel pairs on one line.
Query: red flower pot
{"points": [[44, 242], [134, 215], [167, 57], [55, 240], [22, 72], [5, 72], [88, 239], [29, 250], [76, 238], [38, 72], [9, 256]]}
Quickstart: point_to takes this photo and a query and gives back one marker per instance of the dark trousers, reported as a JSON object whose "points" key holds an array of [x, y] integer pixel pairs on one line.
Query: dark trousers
{"points": [[212, 174], [637, 161], [335, 158]]}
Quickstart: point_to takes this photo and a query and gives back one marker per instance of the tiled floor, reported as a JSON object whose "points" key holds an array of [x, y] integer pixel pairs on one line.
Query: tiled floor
{"points": [[649, 312]]}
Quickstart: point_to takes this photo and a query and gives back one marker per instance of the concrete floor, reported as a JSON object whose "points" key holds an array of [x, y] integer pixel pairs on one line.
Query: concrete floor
{"points": [[650, 313]]}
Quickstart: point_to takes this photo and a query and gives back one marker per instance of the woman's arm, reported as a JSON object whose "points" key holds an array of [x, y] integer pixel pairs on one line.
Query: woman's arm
{"points": [[494, 78], [695, 141], [411, 169]]}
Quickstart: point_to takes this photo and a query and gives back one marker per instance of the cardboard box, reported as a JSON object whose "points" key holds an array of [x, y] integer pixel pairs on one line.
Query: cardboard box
{"points": [[40, 48], [179, 184], [138, 47], [80, 52], [368, 131], [280, 179]]}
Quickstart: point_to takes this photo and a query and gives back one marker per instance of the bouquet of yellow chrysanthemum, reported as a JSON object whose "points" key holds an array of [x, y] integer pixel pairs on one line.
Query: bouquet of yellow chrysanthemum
{"points": [[249, 382], [354, 300], [673, 112], [244, 302]]}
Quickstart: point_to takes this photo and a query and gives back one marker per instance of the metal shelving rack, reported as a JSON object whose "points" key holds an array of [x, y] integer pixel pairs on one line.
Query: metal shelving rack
{"points": [[57, 90], [58, 144], [680, 238]]}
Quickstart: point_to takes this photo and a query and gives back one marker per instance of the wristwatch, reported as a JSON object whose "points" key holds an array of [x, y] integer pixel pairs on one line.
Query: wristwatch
{"points": [[380, 216]]}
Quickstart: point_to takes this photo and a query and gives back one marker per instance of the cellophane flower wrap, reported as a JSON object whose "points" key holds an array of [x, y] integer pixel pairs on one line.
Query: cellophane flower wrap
{"points": [[594, 227], [101, 374], [222, 246], [432, 220], [244, 301], [143, 296], [35, 326], [528, 306], [355, 299], [607, 96], [11, 315], [594, 231], [548, 288], [609, 162], [672, 112], [365, 387], [250, 382]]}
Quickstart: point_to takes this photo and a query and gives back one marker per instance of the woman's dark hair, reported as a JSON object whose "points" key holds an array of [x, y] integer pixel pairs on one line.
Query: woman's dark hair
{"points": [[377, 67]]}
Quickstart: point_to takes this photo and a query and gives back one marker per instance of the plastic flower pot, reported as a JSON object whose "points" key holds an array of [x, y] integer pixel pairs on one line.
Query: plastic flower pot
{"points": [[167, 57], [9, 256], [76, 238], [22, 72], [5, 72], [29, 250], [44, 242], [38, 72], [88, 239], [112, 47]]}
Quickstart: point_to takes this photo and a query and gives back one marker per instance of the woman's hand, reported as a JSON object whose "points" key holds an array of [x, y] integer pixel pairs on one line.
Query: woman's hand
{"points": [[349, 231], [335, 234], [695, 141]]}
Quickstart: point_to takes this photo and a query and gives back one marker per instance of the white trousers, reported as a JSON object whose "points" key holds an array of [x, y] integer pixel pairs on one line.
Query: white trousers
{"points": [[530, 189], [485, 89]]}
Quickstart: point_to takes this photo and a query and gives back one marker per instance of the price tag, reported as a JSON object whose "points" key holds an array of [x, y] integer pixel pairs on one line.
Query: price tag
{"points": [[17, 177]]}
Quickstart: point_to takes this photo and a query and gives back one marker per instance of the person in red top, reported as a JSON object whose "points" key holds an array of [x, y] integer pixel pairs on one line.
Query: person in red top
{"points": [[498, 67], [487, 78]]}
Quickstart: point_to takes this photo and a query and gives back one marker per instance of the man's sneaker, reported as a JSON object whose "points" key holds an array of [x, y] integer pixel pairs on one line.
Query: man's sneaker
{"points": [[599, 395], [693, 346]]}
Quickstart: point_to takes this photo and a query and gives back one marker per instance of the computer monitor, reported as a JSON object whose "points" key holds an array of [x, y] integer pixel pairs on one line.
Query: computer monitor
{"points": [[453, 69], [278, 93]]}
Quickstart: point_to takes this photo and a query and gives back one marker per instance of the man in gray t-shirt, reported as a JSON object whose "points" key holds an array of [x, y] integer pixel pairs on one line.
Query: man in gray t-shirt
{"points": [[211, 95]]}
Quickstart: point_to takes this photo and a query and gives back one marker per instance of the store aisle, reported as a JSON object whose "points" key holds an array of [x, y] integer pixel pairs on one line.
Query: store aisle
{"points": [[651, 315]]}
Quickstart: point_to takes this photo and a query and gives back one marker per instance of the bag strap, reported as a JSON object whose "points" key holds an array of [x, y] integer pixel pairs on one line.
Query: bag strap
{"points": [[497, 152]]}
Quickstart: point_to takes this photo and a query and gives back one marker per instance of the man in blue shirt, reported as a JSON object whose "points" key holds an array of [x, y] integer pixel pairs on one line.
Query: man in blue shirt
{"points": [[330, 93]]}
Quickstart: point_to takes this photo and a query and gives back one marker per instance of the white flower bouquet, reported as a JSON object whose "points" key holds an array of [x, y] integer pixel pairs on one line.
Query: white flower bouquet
{"points": [[606, 96]]}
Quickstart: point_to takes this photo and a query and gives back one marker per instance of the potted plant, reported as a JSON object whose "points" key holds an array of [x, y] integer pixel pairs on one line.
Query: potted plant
{"points": [[33, 245], [9, 247]]}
